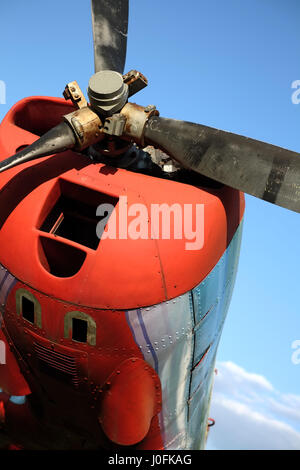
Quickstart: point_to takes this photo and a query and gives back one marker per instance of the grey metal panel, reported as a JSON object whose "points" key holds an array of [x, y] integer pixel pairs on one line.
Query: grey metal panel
{"points": [[211, 302], [173, 336], [164, 334]]}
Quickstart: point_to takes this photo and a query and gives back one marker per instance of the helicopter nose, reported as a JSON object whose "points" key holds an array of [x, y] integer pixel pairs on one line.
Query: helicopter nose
{"points": [[132, 398]]}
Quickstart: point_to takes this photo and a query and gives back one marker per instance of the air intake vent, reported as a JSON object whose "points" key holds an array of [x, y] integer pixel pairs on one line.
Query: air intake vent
{"points": [[57, 365], [73, 217], [60, 259]]}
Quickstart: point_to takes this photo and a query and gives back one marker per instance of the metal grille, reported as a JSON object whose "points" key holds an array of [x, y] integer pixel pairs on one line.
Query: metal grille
{"points": [[57, 361]]}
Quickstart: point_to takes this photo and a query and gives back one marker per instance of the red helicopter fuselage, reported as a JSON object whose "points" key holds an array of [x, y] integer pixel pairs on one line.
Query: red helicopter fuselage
{"points": [[109, 342]]}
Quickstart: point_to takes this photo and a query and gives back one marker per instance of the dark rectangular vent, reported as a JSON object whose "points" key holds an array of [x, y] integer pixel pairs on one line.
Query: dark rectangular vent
{"points": [[27, 309], [74, 215], [79, 330], [56, 364]]}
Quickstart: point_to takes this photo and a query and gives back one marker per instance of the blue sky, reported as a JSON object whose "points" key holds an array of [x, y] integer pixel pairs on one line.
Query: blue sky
{"points": [[228, 65]]}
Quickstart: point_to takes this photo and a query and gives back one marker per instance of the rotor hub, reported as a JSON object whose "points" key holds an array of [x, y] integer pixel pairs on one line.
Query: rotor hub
{"points": [[107, 92]]}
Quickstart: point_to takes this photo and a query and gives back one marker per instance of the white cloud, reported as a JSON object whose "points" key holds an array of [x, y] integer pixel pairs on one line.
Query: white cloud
{"points": [[232, 374], [250, 413]]}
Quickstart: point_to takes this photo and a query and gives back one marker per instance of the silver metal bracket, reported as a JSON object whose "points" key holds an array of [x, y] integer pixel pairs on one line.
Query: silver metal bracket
{"points": [[114, 125]]}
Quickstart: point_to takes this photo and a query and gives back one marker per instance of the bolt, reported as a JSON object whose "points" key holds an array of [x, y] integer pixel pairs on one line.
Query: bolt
{"points": [[149, 108]]}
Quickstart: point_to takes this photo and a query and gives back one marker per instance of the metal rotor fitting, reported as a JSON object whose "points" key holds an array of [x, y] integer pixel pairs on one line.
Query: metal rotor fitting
{"points": [[136, 118], [114, 125], [73, 92], [135, 80], [107, 92], [86, 126]]}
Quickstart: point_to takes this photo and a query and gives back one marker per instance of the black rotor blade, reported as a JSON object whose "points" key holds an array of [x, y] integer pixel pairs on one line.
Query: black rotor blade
{"points": [[58, 139], [257, 168], [110, 26]]}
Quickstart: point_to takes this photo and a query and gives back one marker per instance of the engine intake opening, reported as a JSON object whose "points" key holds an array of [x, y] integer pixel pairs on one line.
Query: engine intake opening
{"points": [[74, 215], [60, 259]]}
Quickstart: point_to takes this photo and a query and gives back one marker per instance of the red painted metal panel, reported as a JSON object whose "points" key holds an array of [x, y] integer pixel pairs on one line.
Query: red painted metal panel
{"points": [[132, 397], [118, 275], [29, 191]]}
